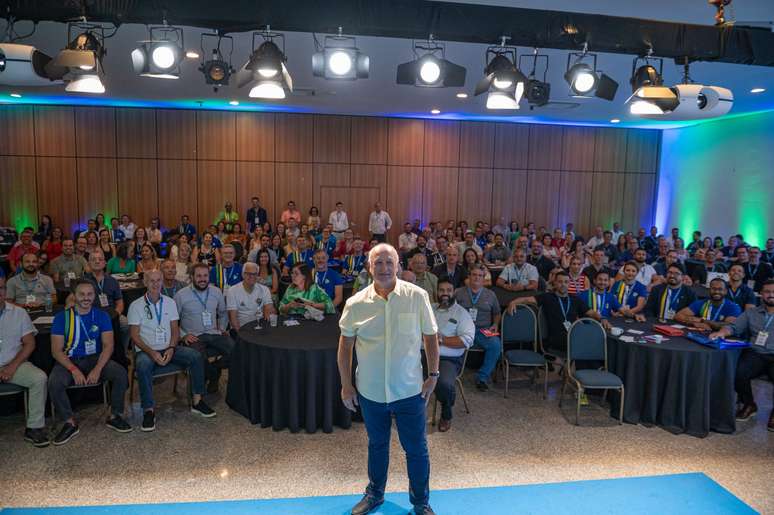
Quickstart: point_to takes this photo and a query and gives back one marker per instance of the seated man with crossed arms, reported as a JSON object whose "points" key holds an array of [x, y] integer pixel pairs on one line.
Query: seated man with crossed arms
{"points": [[248, 300]]}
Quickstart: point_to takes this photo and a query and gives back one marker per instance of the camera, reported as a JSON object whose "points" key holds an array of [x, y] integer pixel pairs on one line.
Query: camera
{"points": [[23, 65], [681, 102]]}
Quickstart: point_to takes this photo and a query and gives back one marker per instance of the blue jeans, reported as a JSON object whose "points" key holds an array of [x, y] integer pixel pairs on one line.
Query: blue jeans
{"points": [[410, 419], [184, 357], [491, 346]]}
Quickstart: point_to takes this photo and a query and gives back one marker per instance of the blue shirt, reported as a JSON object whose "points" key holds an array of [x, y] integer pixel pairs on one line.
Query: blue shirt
{"points": [[636, 291], [602, 303], [220, 276], [300, 257], [328, 247], [187, 229], [117, 235], [742, 296], [77, 330], [328, 281], [705, 309], [109, 287]]}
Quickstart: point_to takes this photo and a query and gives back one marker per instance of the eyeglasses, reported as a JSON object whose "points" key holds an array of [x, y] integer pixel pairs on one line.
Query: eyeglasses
{"points": [[250, 274]]}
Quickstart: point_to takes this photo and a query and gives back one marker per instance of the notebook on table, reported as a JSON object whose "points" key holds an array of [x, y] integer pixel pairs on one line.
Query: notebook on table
{"points": [[720, 343]]}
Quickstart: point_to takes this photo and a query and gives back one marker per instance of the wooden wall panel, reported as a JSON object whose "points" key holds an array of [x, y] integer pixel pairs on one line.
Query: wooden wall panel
{"points": [[215, 135], [607, 199], [135, 132], [545, 147], [216, 185], [97, 187], [477, 144], [293, 181], [543, 198], [406, 142], [255, 136], [370, 176], [332, 141], [138, 191], [404, 196], [95, 131], [474, 195], [640, 196], [255, 180], [17, 127], [642, 150], [575, 200], [177, 191], [578, 148], [369, 140], [509, 194], [57, 191], [511, 145], [54, 131], [294, 137], [442, 143], [610, 150], [361, 203], [439, 194], [18, 192], [176, 134], [327, 175]]}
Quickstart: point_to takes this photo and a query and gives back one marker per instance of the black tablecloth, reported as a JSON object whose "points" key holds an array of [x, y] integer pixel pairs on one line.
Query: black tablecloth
{"points": [[287, 377], [679, 385]]}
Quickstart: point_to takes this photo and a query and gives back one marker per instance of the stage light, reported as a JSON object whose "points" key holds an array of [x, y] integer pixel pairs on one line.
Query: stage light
{"points": [[217, 71], [16, 95], [160, 56], [435, 111], [501, 100], [88, 83], [585, 79], [537, 92], [430, 68], [462, 95], [192, 54], [80, 63], [503, 81], [645, 74], [265, 68], [234, 103], [581, 78], [339, 58], [615, 120], [757, 90]]}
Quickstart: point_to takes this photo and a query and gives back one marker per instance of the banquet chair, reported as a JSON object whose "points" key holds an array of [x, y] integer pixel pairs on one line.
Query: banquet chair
{"points": [[8, 389], [555, 355], [460, 387], [521, 327], [103, 384], [170, 369], [587, 340]]}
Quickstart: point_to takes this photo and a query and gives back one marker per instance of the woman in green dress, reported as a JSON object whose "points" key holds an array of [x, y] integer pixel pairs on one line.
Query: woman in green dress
{"points": [[304, 287], [123, 262]]}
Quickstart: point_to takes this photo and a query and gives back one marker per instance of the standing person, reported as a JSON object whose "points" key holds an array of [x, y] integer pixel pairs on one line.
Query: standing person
{"points": [[389, 374], [379, 222], [338, 219], [228, 216], [256, 215]]}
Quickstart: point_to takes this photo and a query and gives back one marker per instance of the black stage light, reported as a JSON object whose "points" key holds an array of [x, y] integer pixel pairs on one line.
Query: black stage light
{"points": [[585, 79], [80, 63], [266, 68], [537, 92], [431, 69], [217, 71], [503, 81]]}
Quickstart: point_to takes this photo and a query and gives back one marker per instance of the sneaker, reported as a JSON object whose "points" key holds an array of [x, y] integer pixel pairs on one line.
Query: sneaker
{"points": [[37, 437], [423, 510], [746, 412], [118, 424], [202, 409], [148, 421], [67, 433], [482, 386]]}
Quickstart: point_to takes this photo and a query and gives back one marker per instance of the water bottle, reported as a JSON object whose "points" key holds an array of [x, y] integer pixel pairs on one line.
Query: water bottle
{"points": [[49, 306]]}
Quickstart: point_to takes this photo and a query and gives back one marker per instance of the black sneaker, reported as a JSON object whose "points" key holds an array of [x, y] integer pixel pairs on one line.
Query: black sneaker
{"points": [[482, 386], [118, 424], [148, 421], [37, 437], [423, 510], [67, 433], [202, 409]]}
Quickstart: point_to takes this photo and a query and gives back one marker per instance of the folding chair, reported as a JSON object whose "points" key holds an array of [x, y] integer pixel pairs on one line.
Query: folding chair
{"points": [[103, 384], [522, 327], [170, 369], [8, 389], [458, 381]]}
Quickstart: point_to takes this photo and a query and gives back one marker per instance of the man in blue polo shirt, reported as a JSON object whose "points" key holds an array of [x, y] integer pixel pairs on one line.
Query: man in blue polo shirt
{"points": [[327, 279], [82, 344], [603, 304], [711, 314], [228, 272], [737, 291], [302, 255], [326, 242]]}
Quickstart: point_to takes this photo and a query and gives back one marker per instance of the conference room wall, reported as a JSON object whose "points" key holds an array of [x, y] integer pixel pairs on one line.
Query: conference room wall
{"points": [[72, 162]]}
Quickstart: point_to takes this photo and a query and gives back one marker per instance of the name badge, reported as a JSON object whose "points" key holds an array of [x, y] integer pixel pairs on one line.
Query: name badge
{"points": [[567, 325], [161, 337], [256, 221], [30, 299], [91, 346], [206, 319], [473, 313], [103, 300], [670, 314], [751, 284], [71, 275], [760, 340]]}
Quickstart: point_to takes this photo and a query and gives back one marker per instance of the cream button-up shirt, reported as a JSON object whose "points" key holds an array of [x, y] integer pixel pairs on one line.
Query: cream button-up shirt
{"points": [[389, 339]]}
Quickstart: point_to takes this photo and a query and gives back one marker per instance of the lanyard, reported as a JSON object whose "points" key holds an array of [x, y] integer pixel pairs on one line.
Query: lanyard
{"points": [[565, 310], [473, 299], [159, 310], [735, 294], [321, 282], [597, 301], [672, 299], [206, 298], [707, 311], [769, 318], [166, 291], [83, 326], [752, 272]]}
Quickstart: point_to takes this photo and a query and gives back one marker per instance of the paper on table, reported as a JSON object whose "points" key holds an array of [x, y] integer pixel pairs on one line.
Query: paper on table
{"points": [[627, 339], [677, 326], [44, 320], [635, 331]]}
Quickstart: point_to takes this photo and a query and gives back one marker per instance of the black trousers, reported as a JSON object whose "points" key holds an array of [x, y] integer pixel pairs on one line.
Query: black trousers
{"points": [[751, 365], [446, 387]]}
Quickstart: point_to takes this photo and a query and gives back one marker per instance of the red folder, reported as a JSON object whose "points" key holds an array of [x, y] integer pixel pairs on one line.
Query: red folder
{"points": [[668, 330]]}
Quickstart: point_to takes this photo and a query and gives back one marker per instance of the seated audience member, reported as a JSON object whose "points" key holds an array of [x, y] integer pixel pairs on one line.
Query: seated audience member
{"points": [[153, 327], [424, 278], [204, 323], [456, 332], [140, 240], [68, 264], [344, 243], [629, 292], [737, 291], [106, 287], [52, 245], [675, 235], [616, 231], [661, 266], [302, 254], [183, 264], [92, 243], [295, 231], [30, 288], [650, 242], [264, 244], [666, 300], [407, 239], [421, 248], [645, 271], [498, 253], [539, 261], [696, 243], [291, 244], [290, 212], [549, 251], [469, 243], [484, 309], [24, 246], [329, 280], [148, 260], [327, 243], [123, 262], [452, 270], [104, 244], [248, 300], [91, 226], [221, 234], [608, 247], [659, 253], [45, 228], [577, 281], [186, 227], [17, 342], [352, 264], [679, 248], [767, 254], [228, 216], [267, 274], [237, 237], [710, 266], [228, 272], [470, 259], [170, 285], [82, 345], [596, 240], [438, 256], [597, 265], [154, 231], [127, 227], [729, 251], [755, 272], [600, 300], [206, 253], [313, 221], [276, 248], [304, 292], [755, 325], [519, 275], [713, 313], [117, 236]]}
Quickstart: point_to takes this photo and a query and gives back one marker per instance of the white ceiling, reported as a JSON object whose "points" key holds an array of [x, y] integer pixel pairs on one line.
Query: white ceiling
{"points": [[379, 95]]}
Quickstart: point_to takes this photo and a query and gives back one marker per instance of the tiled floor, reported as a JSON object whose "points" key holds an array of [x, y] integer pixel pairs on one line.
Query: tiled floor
{"points": [[521, 439]]}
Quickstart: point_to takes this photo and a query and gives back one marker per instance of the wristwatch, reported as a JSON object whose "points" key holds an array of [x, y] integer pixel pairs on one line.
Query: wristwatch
{"points": [[434, 374]]}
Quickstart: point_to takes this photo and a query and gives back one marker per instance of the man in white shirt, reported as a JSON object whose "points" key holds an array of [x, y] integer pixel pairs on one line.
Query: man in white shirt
{"points": [[246, 300], [17, 341], [407, 240], [456, 331], [127, 226], [645, 272], [617, 232], [154, 331], [596, 240], [379, 222], [389, 320], [519, 275], [338, 219], [469, 243]]}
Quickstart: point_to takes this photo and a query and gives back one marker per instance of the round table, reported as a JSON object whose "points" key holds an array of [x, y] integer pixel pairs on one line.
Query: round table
{"points": [[679, 385], [287, 377]]}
